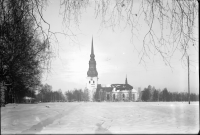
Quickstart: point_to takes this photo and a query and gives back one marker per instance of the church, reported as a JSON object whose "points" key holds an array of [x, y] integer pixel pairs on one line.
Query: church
{"points": [[108, 92]]}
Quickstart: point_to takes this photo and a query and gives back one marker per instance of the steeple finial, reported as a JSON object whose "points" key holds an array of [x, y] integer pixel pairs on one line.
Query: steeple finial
{"points": [[92, 50], [126, 81]]}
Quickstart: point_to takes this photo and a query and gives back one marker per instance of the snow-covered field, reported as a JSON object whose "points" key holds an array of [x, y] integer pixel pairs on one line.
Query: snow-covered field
{"points": [[101, 117]]}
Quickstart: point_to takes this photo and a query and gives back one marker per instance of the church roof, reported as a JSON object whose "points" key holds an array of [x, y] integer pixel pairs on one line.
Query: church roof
{"points": [[122, 86], [107, 89]]}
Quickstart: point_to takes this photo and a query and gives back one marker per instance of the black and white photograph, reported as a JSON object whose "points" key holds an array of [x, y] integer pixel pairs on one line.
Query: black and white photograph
{"points": [[99, 66]]}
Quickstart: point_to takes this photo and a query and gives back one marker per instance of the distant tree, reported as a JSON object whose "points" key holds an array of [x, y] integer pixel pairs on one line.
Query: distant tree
{"points": [[185, 96], [69, 95], [60, 96], [44, 94], [155, 95], [86, 94], [149, 87], [197, 97], [81, 94], [146, 94], [143, 97], [193, 97], [165, 95], [179, 97], [170, 96], [75, 94], [173, 98], [160, 96]]}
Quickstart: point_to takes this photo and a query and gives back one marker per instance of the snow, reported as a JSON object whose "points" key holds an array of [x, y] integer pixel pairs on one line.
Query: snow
{"points": [[100, 117]]}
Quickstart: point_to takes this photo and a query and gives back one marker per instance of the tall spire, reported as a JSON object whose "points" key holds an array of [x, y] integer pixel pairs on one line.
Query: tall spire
{"points": [[92, 50], [126, 81], [92, 72]]}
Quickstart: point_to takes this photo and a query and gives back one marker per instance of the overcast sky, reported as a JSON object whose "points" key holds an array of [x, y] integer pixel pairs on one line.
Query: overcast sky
{"points": [[116, 56]]}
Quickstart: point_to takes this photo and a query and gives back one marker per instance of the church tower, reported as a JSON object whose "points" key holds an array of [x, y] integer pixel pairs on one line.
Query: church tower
{"points": [[92, 75]]}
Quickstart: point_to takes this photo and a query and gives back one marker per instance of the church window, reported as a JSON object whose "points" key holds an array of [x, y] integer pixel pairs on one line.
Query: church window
{"points": [[93, 81], [89, 81], [123, 96]]}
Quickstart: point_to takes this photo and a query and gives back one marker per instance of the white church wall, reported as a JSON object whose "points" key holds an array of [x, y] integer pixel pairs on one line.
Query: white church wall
{"points": [[91, 86]]}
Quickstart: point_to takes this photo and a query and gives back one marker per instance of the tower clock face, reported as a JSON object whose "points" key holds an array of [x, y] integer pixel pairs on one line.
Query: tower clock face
{"points": [[92, 82]]}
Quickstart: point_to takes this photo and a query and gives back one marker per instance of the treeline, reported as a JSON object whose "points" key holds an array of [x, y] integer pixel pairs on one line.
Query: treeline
{"points": [[46, 94], [151, 94], [77, 95]]}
